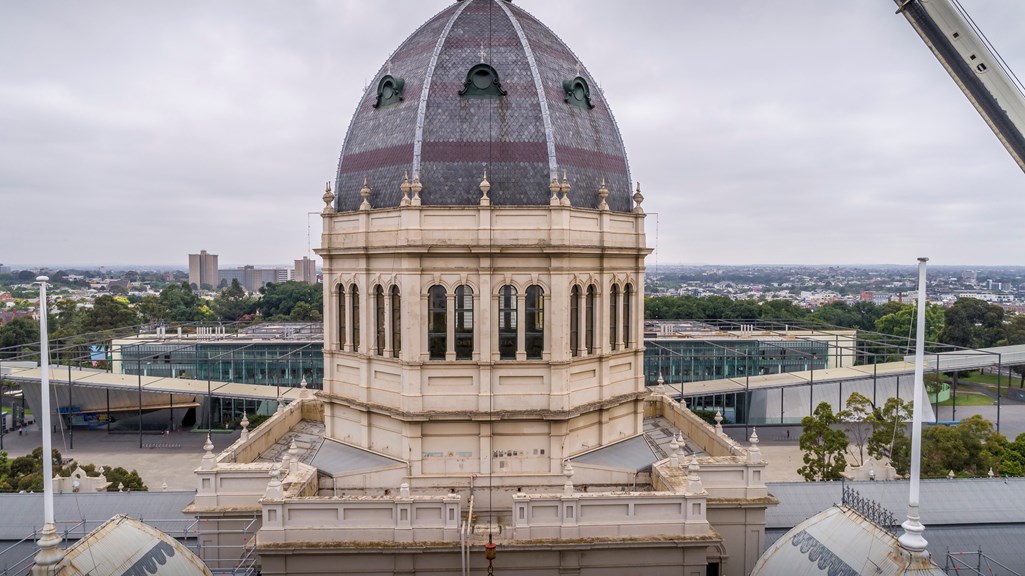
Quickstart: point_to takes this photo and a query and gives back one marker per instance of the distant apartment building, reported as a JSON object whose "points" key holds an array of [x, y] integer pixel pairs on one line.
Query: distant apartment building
{"points": [[203, 269], [306, 270], [252, 278]]}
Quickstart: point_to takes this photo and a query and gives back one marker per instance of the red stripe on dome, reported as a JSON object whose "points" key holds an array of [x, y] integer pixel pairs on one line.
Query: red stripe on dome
{"points": [[572, 156], [485, 152], [380, 158]]}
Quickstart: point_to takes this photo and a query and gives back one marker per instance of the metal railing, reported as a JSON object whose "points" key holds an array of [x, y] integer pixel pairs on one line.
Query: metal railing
{"points": [[870, 509]]}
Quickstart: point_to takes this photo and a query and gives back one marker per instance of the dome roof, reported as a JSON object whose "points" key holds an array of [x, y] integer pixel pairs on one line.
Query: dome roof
{"points": [[839, 541], [483, 83], [124, 545]]}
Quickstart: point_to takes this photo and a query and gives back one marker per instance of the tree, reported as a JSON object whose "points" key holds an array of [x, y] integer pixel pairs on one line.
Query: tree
{"points": [[108, 313], [18, 333], [823, 446], [1014, 333], [280, 299], [970, 448], [181, 304], [128, 481], [232, 303], [857, 420], [889, 434], [902, 323], [973, 323]]}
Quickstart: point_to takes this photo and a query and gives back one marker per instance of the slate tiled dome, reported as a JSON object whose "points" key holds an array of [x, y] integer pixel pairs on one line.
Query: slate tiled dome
{"points": [[413, 119]]}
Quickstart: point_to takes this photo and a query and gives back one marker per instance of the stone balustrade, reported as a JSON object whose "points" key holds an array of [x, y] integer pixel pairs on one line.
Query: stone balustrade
{"points": [[366, 519], [608, 515]]}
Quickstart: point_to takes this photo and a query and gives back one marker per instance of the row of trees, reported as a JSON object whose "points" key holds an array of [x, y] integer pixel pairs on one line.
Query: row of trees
{"points": [[293, 301], [971, 448], [26, 473]]}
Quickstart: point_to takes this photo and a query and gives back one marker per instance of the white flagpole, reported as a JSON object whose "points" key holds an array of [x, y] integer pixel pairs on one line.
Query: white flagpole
{"points": [[912, 539], [49, 554]]}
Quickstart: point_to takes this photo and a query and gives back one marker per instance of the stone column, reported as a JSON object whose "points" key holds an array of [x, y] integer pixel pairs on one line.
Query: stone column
{"points": [[521, 316], [450, 325]]}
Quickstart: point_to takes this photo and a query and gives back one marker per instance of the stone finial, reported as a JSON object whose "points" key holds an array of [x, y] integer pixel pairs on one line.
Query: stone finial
{"points": [[120, 486], [485, 186], [209, 460], [718, 422], [304, 388], [661, 384], [404, 490], [603, 193], [565, 187], [416, 187], [754, 453], [163, 486], [245, 427], [555, 188], [990, 473], [406, 187], [365, 193], [693, 478], [638, 199], [274, 491], [293, 458], [950, 475], [281, 404], [674, 449], [328, 198], [567, 471]]}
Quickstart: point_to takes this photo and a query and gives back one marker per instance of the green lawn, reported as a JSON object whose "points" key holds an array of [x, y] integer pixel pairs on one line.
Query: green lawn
{"points": [[970, 399]]}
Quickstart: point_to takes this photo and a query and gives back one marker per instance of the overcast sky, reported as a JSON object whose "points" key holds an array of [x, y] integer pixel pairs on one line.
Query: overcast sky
{"points": [[799, 131]]}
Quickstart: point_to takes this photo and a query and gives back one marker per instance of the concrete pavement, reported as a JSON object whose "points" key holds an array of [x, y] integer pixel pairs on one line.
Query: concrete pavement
{"points": [[163, 458]]}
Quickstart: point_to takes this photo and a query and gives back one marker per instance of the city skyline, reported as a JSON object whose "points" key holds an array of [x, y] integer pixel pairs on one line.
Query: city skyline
{"points": [[796, 134]]}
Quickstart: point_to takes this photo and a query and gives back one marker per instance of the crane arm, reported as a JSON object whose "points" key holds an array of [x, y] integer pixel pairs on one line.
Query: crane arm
{"points": [[974, 68]]}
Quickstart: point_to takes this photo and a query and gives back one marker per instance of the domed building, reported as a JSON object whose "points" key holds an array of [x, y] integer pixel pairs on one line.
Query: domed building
{"points": [[483, 254]]}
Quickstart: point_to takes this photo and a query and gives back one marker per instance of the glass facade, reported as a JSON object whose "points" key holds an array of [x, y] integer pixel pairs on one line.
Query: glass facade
{"points": [[271, 364]]}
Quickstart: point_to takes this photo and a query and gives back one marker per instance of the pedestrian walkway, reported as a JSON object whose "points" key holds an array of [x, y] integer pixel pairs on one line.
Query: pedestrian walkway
{"points": [[170, 458]]}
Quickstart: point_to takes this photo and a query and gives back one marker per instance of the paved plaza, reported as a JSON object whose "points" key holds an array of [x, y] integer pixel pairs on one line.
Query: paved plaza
{"points": [[168, 458]]}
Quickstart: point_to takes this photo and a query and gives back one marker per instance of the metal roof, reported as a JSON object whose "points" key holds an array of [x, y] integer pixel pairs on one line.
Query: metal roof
{"points": [[960, 515], [336, 458], [955, 502], [631, 454], [841, 542], [23, 513]]}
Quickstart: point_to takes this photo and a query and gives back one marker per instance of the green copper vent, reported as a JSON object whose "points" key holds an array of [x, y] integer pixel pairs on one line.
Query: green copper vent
{"points": [[482, 82], [578, 93], [389, 91]]}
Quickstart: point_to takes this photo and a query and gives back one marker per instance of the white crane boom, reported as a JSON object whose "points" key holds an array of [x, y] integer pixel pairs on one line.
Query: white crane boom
{"points": [[975, 67]]}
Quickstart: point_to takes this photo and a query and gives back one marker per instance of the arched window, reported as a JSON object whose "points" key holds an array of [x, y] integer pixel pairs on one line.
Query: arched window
{"points": [[379, 327], [437, 322], [464, 323], [574, 321], [614, 316], [354, 317], [341, 316], [589, 320], [507, 323], [534, 328], [396, 322], [627, 313]]}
